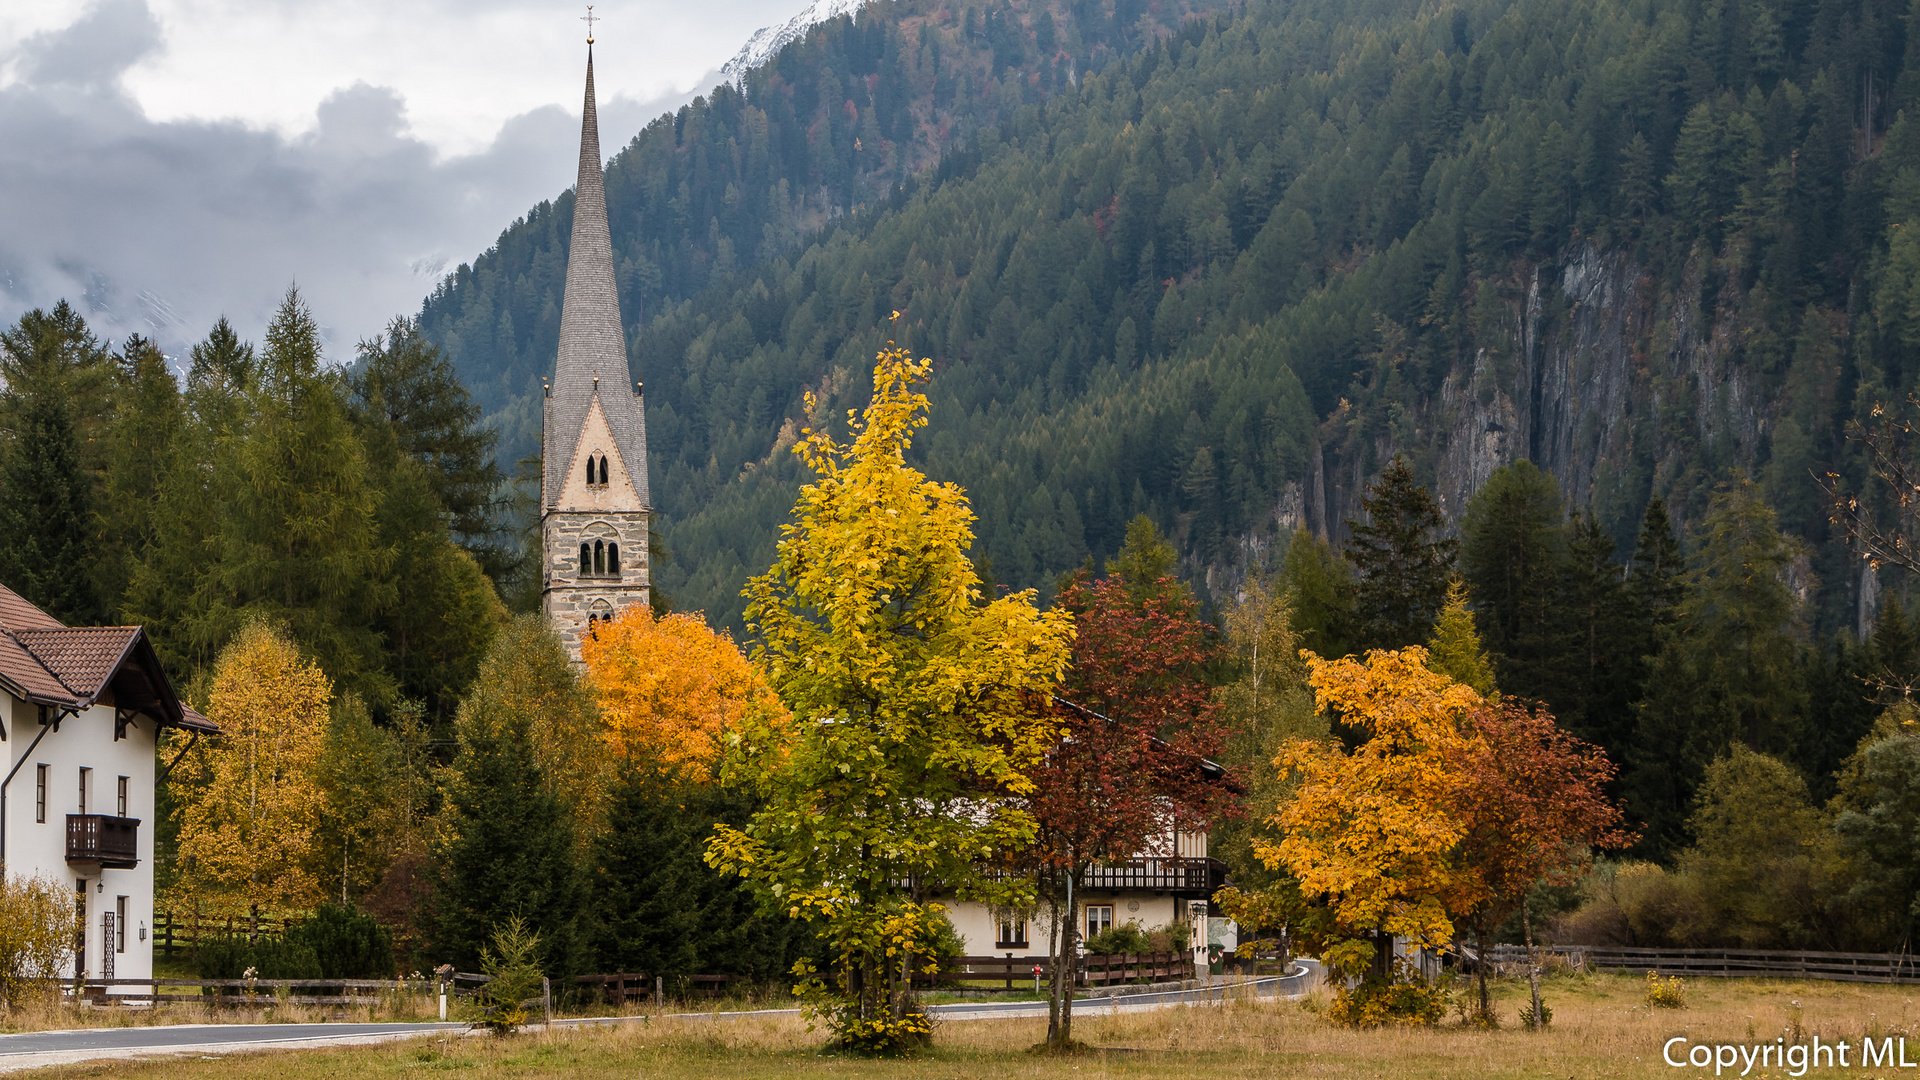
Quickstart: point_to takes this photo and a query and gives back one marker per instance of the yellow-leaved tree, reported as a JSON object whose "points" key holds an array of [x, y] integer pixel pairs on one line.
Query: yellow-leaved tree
{"points": [[1373, 832], [916, 713], [253, 803], [669, 688]]}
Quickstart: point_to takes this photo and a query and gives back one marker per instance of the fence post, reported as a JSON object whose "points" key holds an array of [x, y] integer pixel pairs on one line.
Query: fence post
{"points": [[659, 993], [546, 999], [1009, 971]]}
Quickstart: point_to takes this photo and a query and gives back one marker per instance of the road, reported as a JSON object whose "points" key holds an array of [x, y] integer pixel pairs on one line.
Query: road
{"points": [[43, 1048]]}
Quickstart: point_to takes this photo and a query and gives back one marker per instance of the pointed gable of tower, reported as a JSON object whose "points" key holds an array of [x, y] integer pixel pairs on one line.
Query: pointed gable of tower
{"points": [[593, 347]]}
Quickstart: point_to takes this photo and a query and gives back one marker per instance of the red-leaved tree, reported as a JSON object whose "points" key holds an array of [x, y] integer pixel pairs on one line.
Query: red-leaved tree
{"points": [[1533, 799], [1138, 724]]}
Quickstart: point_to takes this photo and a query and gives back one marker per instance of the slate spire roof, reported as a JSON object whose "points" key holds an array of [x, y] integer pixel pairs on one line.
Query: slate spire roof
{"points": [[592, 342]]}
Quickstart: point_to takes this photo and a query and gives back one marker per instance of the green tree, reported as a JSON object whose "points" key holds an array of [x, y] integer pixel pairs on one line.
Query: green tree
{"points": [[1878, 824], [1513, 553], [1401, 558], [52, 367], [1762, 854], [912, 724], [1730, 671], [1601, 680], [404, 382], [298, 539], [1320, 597], [144, 438], [507, 848]]}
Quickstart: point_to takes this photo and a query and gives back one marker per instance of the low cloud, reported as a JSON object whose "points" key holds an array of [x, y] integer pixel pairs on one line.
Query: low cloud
{"points": [[159, 228]]}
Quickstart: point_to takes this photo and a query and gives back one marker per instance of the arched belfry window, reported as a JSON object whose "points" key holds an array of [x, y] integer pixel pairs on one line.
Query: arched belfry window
{"points": [[599, 557], [589, 468], [586, 559], [613, 557], [603, 470]]}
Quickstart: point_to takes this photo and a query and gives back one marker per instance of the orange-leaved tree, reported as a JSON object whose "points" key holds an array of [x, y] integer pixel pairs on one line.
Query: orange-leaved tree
{"points": [[1374, 833], [1533, 802], [670, 688]]}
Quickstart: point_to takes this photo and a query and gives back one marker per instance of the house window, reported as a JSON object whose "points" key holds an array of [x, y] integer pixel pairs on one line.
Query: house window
{"points": [[120, 924], [1013, 935], [40, 794], [1099, 919], [123, 802], [86, 778]]}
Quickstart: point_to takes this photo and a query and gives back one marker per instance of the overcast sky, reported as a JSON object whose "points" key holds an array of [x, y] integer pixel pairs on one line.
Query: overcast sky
{"points": [[163, 162]]}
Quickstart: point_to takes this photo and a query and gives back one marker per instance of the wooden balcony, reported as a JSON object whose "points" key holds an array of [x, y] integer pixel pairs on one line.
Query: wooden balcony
{"points": [[1195, 878], [111, 843]]}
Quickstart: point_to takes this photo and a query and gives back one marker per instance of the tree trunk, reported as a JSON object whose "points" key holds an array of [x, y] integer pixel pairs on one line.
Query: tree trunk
{"points": [[1056, 932], [1064, 971], [1486, 1004], [1533, 968]]}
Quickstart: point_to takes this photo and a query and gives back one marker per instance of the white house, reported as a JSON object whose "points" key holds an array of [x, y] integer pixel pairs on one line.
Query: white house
{"points": [[81, 709], [1149, 892]]}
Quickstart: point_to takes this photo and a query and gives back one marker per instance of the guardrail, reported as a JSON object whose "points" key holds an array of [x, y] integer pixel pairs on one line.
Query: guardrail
{"points": [[1728, 963]]}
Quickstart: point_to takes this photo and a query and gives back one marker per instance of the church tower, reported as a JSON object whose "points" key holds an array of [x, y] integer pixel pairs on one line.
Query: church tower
{"points": [[593, 441]]}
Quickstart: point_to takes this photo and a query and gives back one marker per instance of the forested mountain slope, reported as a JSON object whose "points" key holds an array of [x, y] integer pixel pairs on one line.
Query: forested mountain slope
{"points": [[1224, 276]]}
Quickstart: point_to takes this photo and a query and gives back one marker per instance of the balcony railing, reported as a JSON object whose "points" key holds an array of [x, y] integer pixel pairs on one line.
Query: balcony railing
{"points": [[1200, 877], [112, 843]]}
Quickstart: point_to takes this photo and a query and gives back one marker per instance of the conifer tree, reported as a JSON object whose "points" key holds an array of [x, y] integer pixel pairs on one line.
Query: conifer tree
{"points": [[54, 371], [1600, 680], [144, 445], [1454, 650], [1320, 597], [1513, 554], [1401, 559], [508, 846]]}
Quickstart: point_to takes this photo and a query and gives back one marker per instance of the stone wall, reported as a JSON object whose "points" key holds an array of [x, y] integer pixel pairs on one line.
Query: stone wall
{"points": [[569, 599]]}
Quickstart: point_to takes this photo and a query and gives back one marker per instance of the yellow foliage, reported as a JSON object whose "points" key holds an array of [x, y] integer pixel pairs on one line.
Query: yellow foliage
{"points": [[253, 802], [669, 688], [1373, 830], [37, 922]]}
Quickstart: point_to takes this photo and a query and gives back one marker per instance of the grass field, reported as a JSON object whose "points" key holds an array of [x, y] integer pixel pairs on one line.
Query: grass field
{"points": [[1601, 1028]]}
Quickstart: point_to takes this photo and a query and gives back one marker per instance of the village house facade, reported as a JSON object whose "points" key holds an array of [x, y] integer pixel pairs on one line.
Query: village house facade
{"points": [[81, 712]]}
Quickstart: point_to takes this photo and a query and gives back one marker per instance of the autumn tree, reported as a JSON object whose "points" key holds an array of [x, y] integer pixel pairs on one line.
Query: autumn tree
{"points": [[1372, 834], [1138, 722], [1532, 799], [905, 764], [669, 688], [249, 822], [1454, 649]]}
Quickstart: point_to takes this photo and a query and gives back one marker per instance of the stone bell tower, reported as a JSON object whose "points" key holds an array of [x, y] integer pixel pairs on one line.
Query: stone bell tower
{"points": [[593, 443]]}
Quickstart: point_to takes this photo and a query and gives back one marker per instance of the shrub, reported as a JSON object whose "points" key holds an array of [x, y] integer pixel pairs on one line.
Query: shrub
{"points": [[1403, 999], [1127, 938], [36, 932], [1670, 994], [513, 967], [1533, 1023], [230, 958], [347, 943]]}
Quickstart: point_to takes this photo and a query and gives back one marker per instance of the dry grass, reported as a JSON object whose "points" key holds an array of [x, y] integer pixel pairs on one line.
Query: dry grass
{"points": [[1602, 1028]]}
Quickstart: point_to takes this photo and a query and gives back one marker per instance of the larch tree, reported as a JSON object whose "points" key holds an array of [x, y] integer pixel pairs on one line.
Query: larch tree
{"points": [[1454, 649], [249, 823], [917, 714], [671, 689]]}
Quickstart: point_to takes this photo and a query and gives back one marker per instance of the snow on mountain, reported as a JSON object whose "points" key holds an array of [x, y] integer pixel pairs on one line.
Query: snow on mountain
{"points": [[769, 40]]}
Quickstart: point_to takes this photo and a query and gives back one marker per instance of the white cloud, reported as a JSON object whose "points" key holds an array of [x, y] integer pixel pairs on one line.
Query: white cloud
{"points": [[168, 161]]}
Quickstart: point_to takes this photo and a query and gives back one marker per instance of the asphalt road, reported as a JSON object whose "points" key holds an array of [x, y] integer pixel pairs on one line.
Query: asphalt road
{"points": [[42, 1048]]}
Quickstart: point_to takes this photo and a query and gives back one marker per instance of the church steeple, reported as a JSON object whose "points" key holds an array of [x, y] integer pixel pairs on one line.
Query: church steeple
{"points": [[594, 512]]}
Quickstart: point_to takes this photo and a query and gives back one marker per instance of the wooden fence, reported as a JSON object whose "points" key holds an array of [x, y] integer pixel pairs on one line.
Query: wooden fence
{"points": [[1728, 963], [171, 931], [1017, 972], [243, 992], [639, 986]]}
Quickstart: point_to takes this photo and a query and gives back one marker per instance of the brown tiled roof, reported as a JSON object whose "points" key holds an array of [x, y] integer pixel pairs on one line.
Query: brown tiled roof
{"points": [[45, 662], [83, 658], [16, 613]]}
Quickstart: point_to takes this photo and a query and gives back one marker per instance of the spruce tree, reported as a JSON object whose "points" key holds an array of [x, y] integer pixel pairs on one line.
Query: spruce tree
{"points": [[1600, 680], [509, 848], [1402, 561], [1454, 650], [144, 444], [47, 549], [1514, 553], [1320, 596], [406, 384]]}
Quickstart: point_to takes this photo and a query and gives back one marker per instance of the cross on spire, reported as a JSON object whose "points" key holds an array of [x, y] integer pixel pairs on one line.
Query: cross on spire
{"points": [[589, 18]]}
